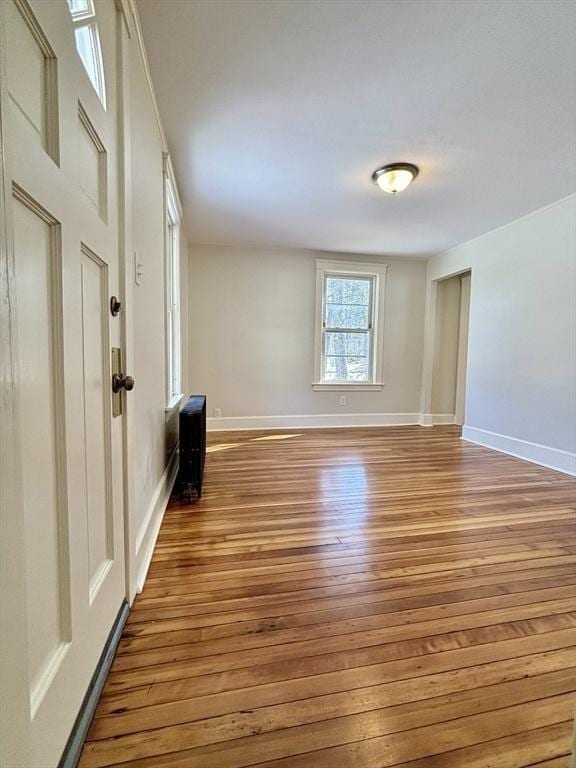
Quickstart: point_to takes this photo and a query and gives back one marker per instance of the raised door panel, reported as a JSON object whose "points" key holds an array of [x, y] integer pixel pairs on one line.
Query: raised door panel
{"points": [[92, 164], [32, 77], [37, 269], [96, 376]]}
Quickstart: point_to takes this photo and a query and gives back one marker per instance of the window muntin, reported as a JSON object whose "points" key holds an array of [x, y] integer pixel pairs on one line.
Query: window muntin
{"points": [[88, 44], [347, 328]]}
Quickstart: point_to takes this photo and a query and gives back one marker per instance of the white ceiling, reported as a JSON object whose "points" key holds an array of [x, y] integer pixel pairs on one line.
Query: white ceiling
{"points": [[278, 111]]}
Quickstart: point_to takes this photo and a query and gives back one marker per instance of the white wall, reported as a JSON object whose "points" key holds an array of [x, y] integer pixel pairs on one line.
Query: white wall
{"points": [[252, 336], [153, 428], [521, 387], [148, 297]]}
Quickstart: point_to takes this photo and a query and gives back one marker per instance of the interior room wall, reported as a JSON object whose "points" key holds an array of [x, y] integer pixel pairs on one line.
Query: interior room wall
{"points": [[521, 376], [148, 296], [446, 347], [154, 427], [252, 339]]}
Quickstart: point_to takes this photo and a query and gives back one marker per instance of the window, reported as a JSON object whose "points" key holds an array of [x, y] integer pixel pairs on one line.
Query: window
{"points": [[349, 309], [347, 328], [88, 43], [172, 297]]}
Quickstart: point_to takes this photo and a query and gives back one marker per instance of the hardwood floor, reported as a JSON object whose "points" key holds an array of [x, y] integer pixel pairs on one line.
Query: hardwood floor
{"points": [[352, 599]]}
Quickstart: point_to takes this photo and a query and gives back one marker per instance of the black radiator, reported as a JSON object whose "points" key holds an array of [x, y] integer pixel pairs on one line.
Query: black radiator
{"points": [[192, 447]]}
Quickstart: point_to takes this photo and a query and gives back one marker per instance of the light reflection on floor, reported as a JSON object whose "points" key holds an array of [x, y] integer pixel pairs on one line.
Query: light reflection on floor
{"points": [[226, 446], [348, 479], [221, 447]]}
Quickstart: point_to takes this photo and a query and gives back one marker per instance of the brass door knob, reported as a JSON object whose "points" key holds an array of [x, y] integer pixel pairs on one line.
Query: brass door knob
{"points": [[119, 381]]}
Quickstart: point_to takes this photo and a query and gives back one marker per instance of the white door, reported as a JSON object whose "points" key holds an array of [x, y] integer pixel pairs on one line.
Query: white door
{"points": [[63, 540]]}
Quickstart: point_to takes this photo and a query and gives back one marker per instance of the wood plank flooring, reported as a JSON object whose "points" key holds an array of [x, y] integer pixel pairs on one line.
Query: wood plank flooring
{"points": [[354, 598]]}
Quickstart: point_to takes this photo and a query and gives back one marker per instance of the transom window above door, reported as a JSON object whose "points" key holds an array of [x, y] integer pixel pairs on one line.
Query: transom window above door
{"points": [[349, 307], [88, 43]]}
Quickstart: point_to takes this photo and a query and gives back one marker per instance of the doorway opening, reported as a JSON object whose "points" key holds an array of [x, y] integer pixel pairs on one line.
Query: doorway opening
{"points": [[451, 349]]}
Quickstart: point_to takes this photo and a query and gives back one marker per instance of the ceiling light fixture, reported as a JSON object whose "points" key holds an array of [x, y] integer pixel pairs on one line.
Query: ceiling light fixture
{"points": [[395, 177]]}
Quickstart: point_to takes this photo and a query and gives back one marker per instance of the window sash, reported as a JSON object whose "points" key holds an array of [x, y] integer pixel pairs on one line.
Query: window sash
{"points": [[367, 331], [173, 307], [172, 294], [344, 276]]}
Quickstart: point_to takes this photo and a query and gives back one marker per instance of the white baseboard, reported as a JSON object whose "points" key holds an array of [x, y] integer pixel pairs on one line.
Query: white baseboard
{"points": [[319, 421], [553, 458], [233, 423], [148, 532], [433, 419]]}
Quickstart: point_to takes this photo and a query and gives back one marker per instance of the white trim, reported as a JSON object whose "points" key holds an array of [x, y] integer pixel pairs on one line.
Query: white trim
{"points": [[375, 270], [83, 15], [368, 268], [439, 419], [148, 531], [462, 364], [553, 458], [319, 421], [174, 403], [174, 200], [126, 285], [348, 386], [172, 294], [309, 421], [436, 419]]}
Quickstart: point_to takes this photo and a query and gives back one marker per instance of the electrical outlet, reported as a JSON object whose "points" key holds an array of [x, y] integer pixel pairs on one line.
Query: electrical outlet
{"points": [[342, 399], [217, 413]]}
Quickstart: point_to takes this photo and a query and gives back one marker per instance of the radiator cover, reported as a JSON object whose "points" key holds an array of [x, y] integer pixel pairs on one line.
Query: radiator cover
{"points": [[192, 447]]}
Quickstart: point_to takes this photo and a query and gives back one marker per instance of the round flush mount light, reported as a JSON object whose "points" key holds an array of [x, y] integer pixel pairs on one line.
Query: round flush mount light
{"points": [[395, 177]]}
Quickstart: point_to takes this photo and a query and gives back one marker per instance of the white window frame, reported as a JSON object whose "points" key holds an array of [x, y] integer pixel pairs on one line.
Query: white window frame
{"points": [[88, 19], [377, 273], [172, 244], [89, 13]]}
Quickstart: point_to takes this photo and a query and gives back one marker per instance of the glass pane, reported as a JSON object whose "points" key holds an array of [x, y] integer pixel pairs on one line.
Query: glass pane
{"points": [[346, 316], [346, 356], [347, 302], [345, 344], [81, 9], [346, 369], [88, 46], [348, 290], [175, 266]]}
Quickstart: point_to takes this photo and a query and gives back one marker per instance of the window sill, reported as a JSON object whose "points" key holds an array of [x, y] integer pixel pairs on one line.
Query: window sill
{"points": [[173, 403], [361, 386]]}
